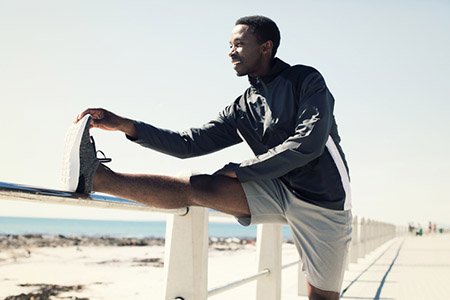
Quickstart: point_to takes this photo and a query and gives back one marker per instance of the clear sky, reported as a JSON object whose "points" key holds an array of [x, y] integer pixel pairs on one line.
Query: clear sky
{"points": [[387, 64]]}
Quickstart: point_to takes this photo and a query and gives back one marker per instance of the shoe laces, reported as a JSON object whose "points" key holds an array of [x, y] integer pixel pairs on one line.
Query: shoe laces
{"points": [[103, 159]]}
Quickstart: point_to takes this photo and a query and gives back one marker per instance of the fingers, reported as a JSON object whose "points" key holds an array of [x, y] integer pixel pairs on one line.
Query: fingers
{"points": [[102, 119], [96, 113], [81, 115]]}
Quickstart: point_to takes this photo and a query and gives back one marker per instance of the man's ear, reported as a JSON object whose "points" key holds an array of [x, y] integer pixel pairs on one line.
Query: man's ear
{"points": [[267, 47]]}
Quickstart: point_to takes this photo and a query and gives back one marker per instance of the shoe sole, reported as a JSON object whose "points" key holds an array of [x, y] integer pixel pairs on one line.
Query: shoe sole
{"points": [[70, 172]]}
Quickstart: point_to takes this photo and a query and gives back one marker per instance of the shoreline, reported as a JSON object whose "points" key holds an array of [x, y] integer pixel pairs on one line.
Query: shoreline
{"points": [[14, 241], [96, 268]]}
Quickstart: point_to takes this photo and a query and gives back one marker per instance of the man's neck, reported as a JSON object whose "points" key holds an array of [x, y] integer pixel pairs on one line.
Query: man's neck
{"points": [[265, 69]]}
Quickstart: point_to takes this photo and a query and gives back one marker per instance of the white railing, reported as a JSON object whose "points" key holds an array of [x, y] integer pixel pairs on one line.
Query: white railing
{"points": [[186, 246]]}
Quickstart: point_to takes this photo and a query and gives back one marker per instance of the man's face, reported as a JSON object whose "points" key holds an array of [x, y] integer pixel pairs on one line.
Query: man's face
{"points": [[245, 52]]}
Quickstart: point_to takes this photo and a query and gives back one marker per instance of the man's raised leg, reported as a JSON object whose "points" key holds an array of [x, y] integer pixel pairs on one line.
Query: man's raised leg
{"points": [[218, 192]]}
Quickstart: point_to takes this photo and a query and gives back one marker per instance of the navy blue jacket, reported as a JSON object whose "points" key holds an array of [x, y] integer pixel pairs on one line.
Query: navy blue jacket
{"points": [[287, 120]]}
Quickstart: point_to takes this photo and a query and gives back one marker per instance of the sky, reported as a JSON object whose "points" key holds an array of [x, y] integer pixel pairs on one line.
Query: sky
{"points": [[386, 63]]}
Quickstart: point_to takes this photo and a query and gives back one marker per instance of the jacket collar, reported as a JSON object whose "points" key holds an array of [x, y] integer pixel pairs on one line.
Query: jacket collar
{"points": [[278, 66]]}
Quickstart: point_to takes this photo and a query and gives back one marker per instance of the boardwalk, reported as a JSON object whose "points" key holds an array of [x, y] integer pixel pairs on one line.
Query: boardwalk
{"points": [[406, 268]]}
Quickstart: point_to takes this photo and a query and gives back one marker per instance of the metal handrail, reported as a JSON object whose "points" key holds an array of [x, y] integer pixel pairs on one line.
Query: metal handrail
{"points": [[290, 264], [232, 285], [237, 283]]}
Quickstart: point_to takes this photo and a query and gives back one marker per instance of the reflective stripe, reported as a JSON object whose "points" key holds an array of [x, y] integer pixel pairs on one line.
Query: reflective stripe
{"points": [[331, 146]]}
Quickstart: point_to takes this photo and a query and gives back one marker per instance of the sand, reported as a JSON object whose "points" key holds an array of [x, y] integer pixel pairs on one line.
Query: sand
{"points": [[36, 267]]}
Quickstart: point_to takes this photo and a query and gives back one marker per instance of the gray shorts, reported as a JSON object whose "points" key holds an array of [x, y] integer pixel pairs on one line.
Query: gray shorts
{"points": [[322, 235]]}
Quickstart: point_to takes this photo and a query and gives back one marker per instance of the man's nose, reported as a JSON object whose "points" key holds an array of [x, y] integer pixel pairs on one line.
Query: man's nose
{"points": [[232, 51]]}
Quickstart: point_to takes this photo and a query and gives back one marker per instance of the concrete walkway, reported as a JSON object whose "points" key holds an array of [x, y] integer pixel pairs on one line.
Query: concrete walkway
{"points": [[406, 268]]}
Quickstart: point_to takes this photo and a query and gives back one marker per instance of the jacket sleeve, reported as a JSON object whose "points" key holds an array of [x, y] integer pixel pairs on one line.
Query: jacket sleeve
{"points": [[313, 125], [213, 136]]}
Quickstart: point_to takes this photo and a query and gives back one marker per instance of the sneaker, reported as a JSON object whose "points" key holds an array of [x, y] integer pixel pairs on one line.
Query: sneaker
{"points": [[80, 158]]}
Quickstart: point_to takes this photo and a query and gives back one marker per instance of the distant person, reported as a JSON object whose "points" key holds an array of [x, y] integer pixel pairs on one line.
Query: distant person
{"points": [[419, 230], [298, 176]]}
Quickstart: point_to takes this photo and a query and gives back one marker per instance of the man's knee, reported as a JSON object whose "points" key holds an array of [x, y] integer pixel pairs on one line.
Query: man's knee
{"points": [[201, 182], [220, 193], [213, 184]]}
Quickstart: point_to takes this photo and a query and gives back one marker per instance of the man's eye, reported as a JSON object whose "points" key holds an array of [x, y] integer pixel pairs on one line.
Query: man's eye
{"points": [[236, 45]]}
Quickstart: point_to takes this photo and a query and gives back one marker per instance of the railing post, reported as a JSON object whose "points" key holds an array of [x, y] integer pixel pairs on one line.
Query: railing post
{"points": [[371, 235], [355, 245], [301, 285], [269, 238], [368, 236], [363, 238], [186, 255], [376, 232]]}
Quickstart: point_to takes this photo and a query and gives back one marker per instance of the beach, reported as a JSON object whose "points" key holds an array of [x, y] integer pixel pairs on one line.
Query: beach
{"points": [[73, 267]]}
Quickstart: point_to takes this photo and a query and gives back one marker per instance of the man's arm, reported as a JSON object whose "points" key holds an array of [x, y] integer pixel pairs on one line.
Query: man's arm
{"points": [[314, 121], [214, 135]]}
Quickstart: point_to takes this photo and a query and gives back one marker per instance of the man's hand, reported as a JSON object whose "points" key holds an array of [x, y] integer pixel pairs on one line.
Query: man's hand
{"points": [[228, 170], [106, 120]]}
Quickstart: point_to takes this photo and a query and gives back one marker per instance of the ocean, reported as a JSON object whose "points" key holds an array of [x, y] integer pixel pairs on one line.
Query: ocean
{"points": [[139, 229]]}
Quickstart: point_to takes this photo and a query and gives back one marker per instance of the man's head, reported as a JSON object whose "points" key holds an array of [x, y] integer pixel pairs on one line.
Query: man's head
{"points": [[254, 42], [264, 30]]}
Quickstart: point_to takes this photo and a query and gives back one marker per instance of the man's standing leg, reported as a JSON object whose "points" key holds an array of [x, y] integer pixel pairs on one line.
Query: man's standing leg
{"points": [[317, 294]]}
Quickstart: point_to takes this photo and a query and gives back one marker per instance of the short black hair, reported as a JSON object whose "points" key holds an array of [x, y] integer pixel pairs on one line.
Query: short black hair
{"points": [[264, 29]]}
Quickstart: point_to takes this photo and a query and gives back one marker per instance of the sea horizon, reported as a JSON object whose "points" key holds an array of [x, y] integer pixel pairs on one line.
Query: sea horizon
{"points": [[115, 228]]}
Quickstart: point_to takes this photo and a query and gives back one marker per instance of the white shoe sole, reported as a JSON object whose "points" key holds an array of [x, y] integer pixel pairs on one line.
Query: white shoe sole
{"points": [[70, 172]]}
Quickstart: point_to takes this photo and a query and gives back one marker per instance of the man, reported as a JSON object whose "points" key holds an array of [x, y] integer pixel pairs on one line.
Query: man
{"points": [[298, 175]]}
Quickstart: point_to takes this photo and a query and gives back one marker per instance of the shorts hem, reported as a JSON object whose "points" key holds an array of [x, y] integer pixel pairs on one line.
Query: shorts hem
{"points": [[321, 287]]}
